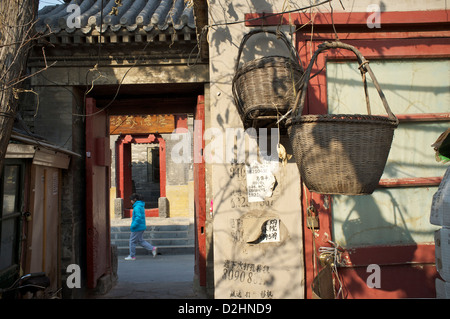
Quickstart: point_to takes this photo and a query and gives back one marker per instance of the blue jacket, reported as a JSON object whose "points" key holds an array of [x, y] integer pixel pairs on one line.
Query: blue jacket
{"points": [[138, 218]]}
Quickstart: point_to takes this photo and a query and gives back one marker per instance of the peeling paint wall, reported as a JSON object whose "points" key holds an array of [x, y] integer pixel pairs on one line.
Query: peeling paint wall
{"points": [[238, 224], [390, 215], [258, 247]]}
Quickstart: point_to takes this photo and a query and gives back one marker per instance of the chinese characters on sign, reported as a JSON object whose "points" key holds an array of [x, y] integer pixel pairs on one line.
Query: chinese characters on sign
{"points": [[250, 279], [239, 197], [135, 124], [271, 231], [260, 181]]}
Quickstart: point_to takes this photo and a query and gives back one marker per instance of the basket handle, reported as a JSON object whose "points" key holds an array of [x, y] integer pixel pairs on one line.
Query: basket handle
{"points": [[363, 67], [279, 34]]}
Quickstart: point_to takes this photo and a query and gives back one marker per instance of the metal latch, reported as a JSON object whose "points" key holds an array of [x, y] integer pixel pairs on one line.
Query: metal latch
{"points": [[312, 218]]}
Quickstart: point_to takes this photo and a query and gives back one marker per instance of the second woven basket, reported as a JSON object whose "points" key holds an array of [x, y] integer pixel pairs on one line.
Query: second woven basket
{"points": [[341, 153]]}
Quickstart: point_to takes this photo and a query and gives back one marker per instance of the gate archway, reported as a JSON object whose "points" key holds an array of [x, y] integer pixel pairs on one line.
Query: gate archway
{"points": [[123, 169], [98, 162]]}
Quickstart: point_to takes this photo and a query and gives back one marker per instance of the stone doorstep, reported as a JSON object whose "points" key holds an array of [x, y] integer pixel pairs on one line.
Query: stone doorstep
{"points": [[154, 221], [154, 229], [155, 242], [120, 234], [162, 250], [170, 235]]}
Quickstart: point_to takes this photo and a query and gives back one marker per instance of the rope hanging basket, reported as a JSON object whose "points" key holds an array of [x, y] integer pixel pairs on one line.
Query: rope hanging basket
{"points": [[341, 153], [266, 88]]}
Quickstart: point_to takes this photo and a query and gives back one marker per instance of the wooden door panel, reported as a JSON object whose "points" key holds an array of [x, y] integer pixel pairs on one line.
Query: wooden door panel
{"points": [[97, 193], [199, 191]]}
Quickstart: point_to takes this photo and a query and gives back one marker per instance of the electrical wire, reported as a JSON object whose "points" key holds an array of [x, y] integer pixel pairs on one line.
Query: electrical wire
{"points": [[335, 254], [204, 31], [265, 16]]}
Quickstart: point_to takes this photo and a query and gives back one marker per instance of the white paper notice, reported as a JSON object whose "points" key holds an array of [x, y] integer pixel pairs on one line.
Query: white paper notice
{"points": [[260, 181]]}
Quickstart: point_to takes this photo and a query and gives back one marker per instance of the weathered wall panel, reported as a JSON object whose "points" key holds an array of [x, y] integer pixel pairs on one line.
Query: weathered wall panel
{"points": [[412, 86], [245, 264]]}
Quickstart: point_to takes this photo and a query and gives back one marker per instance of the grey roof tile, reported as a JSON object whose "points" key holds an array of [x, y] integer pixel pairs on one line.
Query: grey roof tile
{"points": [[132, 14]]}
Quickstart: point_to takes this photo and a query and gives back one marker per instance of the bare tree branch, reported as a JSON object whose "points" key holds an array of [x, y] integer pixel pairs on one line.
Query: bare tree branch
{"points": [[17, 20]]}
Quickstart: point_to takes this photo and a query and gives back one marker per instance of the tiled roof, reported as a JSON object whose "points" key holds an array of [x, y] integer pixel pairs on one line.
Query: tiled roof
{"points": [[132, 15]]}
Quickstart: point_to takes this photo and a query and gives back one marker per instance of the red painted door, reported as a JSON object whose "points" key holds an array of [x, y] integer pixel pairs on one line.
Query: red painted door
{"points": [[376, 232], [98, 159], [407, 270], [200, 192]]}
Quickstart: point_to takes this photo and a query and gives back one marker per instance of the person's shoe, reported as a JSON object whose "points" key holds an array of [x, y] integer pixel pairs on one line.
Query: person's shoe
{"points": [[130, 258], [154, 251]]}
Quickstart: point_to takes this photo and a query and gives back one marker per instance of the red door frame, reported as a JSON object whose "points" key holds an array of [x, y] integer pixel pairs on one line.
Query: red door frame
{"points": [[359, 258], [200, 191], [426, 35], [98, 157], [123, 169]]}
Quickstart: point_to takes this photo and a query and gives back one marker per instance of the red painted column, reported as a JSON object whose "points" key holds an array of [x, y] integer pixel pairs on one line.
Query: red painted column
{"points": [[200, 191], [98, 248], [162, 166]]}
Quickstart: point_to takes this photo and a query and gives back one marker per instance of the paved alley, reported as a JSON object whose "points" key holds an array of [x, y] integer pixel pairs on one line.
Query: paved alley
{"points": [[163, 277]]}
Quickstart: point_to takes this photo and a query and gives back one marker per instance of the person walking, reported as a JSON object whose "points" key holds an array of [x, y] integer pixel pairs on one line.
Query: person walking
{"points": [[138, 227]]}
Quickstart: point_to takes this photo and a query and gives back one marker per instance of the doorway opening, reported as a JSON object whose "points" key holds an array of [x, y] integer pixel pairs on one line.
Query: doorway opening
{"points": [[176, 183], [145, 173], [140, 167]]}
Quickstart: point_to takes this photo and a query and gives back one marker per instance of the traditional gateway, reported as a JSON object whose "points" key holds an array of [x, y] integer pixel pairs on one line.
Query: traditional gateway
{"points": [[151, 67]]}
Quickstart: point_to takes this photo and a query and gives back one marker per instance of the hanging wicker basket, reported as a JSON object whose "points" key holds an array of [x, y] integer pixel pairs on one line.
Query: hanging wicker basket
{"points": [[266, 88], [341, 153]]}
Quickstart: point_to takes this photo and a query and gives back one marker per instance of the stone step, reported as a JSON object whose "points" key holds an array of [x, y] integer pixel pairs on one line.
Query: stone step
{"points": [[171, 236], [162, 250], [152, 235], [152, 228], [154, 242]]}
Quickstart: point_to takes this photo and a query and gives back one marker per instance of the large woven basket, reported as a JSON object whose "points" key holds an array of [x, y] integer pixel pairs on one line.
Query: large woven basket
{"points": [[265, 89], [341, 153]]}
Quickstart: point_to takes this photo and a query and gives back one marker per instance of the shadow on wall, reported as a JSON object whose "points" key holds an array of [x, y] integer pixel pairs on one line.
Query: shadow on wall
{"points": [[365, 226], [370, 226]]}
